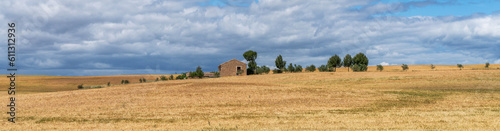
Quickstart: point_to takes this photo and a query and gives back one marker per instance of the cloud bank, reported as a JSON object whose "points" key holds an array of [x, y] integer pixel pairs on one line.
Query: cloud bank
{"points": [[111, 37]]}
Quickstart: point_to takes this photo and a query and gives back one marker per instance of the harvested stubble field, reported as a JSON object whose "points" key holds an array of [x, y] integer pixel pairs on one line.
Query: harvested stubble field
{"points": [[413, 100]]}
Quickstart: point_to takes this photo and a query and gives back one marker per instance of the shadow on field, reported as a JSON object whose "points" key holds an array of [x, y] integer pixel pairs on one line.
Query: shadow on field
{"points": [[411, 98]]}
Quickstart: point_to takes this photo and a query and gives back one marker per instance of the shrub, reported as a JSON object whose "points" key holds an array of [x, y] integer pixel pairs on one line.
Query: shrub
{"points": [[143, 79], [322, 68], [157, 79], [311, 68], [358, 68], [80, 86], [216, 73], [298, 68], [432, 66], [460, 66], [163, 78], [405, 67], [380, 68], [487, 65], [171, 77], [140, 80], [125, 82], [109, 83], [262, 70]]}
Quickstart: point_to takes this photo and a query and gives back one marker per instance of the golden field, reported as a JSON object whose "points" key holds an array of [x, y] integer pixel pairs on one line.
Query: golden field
{"points": [[419, 99]]}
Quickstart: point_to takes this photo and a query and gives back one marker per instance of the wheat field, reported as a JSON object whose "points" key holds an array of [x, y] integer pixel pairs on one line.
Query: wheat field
{"points": [[419, 99]]}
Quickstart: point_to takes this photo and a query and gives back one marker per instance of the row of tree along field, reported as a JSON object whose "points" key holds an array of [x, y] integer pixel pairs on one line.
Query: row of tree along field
{"points": [[356, 63]]}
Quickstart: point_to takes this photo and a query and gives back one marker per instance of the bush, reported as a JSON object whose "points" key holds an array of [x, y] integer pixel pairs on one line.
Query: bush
{"points": [[380, 68], [125, 82], [405, 67], [276, 71], [291, 68], [80, 86], [216, 73], [140, 80], [143, 79], [298, 68], [157, 79], [311, 68], [322, 68], [171, 77], [163, 78], [487, 65], [109, 83], [432, 66], [460, 66], [358, 68], [262, 70]]}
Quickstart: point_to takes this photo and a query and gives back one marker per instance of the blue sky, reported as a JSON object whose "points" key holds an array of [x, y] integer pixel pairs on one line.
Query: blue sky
{"points": [[101, 37]]}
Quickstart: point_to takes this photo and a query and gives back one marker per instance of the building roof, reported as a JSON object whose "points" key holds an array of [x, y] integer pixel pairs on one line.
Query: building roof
{"points": [[233, 60]]}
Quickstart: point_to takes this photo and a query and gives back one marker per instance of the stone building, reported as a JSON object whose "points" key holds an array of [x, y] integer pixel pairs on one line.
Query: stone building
{"points": [[233, 68]]}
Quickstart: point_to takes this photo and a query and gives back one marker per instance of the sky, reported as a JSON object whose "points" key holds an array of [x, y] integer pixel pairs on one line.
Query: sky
{"points": [[124, 37]]}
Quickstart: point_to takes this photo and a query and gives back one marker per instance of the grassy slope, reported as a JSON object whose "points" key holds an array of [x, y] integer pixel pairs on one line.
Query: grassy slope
{"points": [[447, 100]]}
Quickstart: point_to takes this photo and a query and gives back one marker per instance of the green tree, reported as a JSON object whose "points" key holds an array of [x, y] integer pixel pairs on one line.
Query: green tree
{"points": [[334, 62], [125, 82], [140, 80], [298, 68], [251, 56], [380, 68], [322, 68], [199, 72], [291, 68], [143, 79], [280, 64], [487, 65], [171, 77], [311, 68], [361, 61], [405, 67], [109, 83], [460, 66], [263, 69], [347, 62]]}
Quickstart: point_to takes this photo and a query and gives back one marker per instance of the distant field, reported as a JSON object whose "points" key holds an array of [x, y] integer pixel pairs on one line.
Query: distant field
{"points": [[446, 99]]}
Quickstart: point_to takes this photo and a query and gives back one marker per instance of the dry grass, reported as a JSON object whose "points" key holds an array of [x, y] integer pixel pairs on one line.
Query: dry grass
{"points": [[418, 100]]}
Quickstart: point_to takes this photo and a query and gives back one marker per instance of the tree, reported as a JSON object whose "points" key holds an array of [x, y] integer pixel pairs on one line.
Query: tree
{"points": [[334, 62], [298, 68], [432, 66], [251, 56], [143, 79], [347, 62], [311, 68], [361, 60], [380, 68], [140, 80], [199, 72], [216, 73], [109, 83], [280, 64], [171, 77], [405, 67], [125, 82], [322, 68], [263, 69], [460, 66], [157, 79], [291, 68], [487, 65]]}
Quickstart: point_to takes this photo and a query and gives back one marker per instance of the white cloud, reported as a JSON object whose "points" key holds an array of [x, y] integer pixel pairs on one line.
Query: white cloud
{"points": [[182, 34], [384, 63], [497, 62]]}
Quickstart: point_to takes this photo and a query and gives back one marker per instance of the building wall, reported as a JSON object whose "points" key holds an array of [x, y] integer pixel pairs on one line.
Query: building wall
{"points": [[230, 68]]}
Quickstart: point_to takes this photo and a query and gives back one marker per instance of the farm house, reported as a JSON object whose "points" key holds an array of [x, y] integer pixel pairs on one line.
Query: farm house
{"points": [[233, 68]]}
